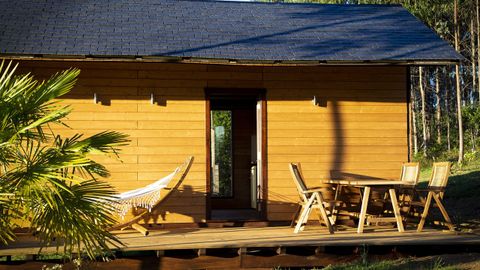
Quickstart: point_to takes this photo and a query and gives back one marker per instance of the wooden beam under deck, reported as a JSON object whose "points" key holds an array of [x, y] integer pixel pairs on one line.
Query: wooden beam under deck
{"points": [[274, 237]]}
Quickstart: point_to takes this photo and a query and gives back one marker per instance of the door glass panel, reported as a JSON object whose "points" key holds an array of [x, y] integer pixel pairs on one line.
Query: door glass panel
{"points": [[221, 166]]}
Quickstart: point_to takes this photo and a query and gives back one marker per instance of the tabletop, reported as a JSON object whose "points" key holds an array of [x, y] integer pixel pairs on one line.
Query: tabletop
{"points": [[366, 182]]}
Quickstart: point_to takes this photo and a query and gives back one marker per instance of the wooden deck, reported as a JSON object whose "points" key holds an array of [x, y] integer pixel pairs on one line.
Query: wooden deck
{"points": [[245, 237]]}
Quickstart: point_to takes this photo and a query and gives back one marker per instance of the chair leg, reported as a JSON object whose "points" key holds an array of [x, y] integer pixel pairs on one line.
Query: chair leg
{"points": [[323, 212], [300, 219], [306, 218], [437, 199], [425, 211], [304, 215], [396, 209], [296, 215]]}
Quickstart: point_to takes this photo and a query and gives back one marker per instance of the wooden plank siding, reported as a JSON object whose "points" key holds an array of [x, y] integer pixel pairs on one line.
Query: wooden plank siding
{"points": [[360, 129]]}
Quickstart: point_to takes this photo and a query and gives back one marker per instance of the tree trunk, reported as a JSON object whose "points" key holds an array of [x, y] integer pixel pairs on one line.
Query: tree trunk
{"points": [[478, 48], [438, 106], [413, 120], [414, 123], [457, 86], [447, 108], [474, 73], [424, 119]]}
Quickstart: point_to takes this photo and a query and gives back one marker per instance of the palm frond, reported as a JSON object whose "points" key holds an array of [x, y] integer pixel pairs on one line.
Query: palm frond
{"points": [[106, 142], [6, 216], [79, 218], [53, 181]]}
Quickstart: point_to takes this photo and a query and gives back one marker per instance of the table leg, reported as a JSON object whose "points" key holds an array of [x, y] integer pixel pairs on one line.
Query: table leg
{"points": [[363, 210], [396, 209], [334, 213]]}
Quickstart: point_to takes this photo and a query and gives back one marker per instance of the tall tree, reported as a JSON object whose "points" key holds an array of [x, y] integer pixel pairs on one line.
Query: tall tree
{"points": [[457, 83], [447, 108], [438, 106], [478, 47], [414, 123], [423, 111], [472, 45]]}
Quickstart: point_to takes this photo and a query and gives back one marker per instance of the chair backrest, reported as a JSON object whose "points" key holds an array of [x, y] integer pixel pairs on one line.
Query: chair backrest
{"points": [[410, 173], [440, 173], [297, 176]]}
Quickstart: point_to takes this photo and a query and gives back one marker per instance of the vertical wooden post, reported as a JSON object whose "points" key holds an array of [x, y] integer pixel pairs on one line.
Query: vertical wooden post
{"points": [[281, 250], [160, 253], [409, 115], [208, 202], [201, 252]]}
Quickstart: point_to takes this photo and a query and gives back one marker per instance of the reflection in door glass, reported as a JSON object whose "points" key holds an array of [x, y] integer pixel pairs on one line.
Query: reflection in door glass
{"points": [[221, 153]]}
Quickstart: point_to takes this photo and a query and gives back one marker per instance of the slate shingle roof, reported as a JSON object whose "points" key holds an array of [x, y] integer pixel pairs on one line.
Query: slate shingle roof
{"points": [[216, 29]]}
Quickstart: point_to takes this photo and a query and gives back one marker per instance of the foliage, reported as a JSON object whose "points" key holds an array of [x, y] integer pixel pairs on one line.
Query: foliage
{"points": [[471, 118], [223, 151], [45, 179]]}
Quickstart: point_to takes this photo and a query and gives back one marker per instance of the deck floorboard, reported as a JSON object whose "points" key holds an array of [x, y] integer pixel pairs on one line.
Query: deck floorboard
{"points": [[247, 237]]}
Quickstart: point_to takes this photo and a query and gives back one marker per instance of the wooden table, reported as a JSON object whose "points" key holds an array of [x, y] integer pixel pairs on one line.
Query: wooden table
{"points": [[367, 185]]}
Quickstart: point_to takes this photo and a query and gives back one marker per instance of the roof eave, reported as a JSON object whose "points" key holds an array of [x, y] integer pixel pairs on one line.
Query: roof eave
{"points": [[197, 60]]}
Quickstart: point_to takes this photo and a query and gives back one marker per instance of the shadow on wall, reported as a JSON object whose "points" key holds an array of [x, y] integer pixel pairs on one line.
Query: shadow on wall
{"points": [[174, 205]]}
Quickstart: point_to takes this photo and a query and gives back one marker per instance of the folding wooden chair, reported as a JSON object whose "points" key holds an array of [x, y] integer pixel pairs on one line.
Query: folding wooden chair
{"points": [[309, 199], [409, 176], [410, 173], [435, 190]]}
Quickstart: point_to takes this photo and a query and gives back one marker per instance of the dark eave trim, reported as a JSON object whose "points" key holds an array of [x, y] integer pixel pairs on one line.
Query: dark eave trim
{"points": [[219, 61]]}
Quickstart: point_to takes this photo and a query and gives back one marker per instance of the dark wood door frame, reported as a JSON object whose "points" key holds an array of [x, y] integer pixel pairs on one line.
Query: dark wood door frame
{"points": [[232, 93]]}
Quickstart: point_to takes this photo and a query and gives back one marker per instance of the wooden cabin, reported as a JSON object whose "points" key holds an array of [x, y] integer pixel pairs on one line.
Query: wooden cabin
{"points": [[246, 88]]}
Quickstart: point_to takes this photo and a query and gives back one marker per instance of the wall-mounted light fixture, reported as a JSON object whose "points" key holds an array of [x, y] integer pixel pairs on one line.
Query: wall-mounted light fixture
{"points": [[319, 102]]}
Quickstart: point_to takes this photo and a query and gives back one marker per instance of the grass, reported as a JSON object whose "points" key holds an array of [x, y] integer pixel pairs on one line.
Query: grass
{"points": [[401, 264]]}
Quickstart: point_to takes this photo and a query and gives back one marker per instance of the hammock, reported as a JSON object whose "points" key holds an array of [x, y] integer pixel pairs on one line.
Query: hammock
{"points": [[150, 196], [145, 197]]}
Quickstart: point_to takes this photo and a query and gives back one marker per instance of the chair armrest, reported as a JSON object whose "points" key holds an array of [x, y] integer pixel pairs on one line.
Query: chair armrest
{"points": [[312, 190]]}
